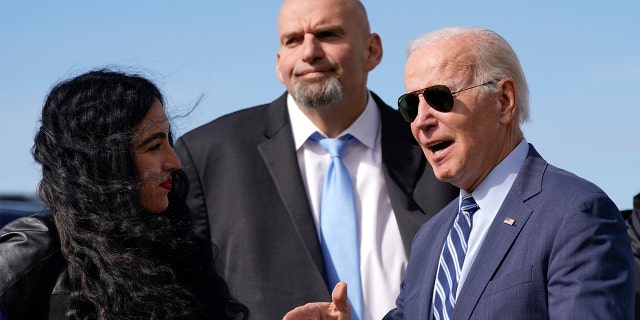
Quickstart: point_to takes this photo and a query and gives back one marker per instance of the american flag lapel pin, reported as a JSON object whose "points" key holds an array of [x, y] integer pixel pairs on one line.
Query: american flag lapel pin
{"points": [[509, 221]]}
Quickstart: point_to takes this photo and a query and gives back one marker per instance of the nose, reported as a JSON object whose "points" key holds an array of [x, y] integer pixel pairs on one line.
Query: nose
{"points": [[425, 117], [312, 49], [171, 161]]}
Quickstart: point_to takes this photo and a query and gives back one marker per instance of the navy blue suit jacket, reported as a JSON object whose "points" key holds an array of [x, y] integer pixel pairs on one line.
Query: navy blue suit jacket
{"points": [[567, 256]]}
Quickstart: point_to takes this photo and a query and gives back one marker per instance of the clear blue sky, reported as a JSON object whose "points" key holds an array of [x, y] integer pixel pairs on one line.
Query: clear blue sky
{"points": [[582, 61]]}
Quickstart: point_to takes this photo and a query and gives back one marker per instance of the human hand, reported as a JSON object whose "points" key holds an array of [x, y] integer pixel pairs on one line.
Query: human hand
{"points": [[338, 309]]}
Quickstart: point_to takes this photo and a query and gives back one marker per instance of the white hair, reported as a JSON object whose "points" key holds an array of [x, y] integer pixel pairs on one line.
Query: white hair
{"points": [[494, 59]]}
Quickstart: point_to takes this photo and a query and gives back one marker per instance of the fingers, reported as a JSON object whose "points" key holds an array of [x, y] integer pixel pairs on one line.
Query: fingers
{"points": [[310, 311]]}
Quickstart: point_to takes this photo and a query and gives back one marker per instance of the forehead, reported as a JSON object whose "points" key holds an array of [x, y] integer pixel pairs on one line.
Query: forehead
{"points": [[446, 62], [304, 15], [156, 119]]}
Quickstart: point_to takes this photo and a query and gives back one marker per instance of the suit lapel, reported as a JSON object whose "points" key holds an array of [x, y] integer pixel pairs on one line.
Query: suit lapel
{"points": [[402, 161], [501, 235], [278, 153], [495, 247]]}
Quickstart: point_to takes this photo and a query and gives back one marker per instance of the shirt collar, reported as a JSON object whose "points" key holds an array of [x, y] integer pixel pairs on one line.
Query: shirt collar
{"points": [[492, 191], [365, 128]]}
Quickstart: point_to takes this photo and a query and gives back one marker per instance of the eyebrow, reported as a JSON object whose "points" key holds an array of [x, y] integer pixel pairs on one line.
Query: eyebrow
{"points": [[317, 30], [288, 35], [157, 135]]}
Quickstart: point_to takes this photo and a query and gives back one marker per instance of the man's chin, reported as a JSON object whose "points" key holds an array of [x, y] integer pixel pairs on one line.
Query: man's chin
{"points": [[319, 81], [317, 93], [443, 174]]}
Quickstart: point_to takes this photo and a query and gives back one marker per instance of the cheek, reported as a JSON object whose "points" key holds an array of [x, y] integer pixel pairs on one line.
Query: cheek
{"points": [[146, 189], [151, 197], [144, 178], [280, 70], [484, 134], [415, 132], [353, 68], [285, 64]]}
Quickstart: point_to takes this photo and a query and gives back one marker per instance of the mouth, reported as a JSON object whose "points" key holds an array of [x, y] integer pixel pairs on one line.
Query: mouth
{"points": [[167, 184], [437, 147], [314, 72]]}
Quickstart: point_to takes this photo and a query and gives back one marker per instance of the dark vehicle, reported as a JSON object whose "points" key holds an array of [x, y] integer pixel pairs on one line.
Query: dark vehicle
{"points": [[13, 206]]}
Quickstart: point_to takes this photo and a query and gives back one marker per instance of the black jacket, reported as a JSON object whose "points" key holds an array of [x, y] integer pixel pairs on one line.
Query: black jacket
{"points": [[33, 280]]}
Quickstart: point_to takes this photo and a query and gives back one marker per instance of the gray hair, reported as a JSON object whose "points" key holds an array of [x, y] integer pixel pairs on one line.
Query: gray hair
{"points": [[494, 59]]}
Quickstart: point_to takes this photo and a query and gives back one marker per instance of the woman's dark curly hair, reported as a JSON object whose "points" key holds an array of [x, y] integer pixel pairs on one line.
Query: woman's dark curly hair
{"points": [[124, 263]]}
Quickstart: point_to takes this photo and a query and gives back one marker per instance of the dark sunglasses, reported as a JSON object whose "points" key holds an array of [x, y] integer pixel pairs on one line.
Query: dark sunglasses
{"points": [[438, 97]]}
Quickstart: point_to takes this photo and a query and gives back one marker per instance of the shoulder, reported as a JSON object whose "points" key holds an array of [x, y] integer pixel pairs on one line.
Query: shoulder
{"points": [[31, 229], [25, 244], [31, 265], [388, 115], [557, 186], [239, 122], [573, 188], [394, 127]]}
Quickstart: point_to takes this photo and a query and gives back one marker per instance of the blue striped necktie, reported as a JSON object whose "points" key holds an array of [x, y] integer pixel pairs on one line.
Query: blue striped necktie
{"points": [[451, 261], [338, 226]]}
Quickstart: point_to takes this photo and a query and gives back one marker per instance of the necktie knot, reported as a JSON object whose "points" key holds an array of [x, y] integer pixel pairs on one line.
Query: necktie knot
{"points": [[335, 147], [469, 205]]}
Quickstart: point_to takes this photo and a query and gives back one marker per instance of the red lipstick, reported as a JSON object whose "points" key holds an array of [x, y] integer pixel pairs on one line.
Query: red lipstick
{"points": [[167, 184]]}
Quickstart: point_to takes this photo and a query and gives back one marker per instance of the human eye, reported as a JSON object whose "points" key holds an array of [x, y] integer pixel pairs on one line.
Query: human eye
{"points": [[154, 147], [329, 34], [153, 142], [292, 41], [326, 35]]}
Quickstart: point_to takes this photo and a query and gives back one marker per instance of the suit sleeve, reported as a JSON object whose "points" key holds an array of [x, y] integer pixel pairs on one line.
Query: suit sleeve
{"points": [[195, 198], [591, 274], [397, 313]]}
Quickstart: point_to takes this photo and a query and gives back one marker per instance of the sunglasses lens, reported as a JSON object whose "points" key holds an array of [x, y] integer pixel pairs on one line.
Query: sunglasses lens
{"points": [[408, 106], [439, 97]]}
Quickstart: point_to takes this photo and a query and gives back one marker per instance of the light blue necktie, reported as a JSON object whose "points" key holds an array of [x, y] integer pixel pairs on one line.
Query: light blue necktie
{"points": [[452, 260], [338, 227]]}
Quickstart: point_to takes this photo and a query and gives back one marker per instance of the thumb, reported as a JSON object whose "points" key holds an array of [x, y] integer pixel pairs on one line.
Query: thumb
{"points": [[339, 298]]}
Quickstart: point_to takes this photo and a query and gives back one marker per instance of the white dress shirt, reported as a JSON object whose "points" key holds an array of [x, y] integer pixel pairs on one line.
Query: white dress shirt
{"points": [[382, 256], [489, 196]]}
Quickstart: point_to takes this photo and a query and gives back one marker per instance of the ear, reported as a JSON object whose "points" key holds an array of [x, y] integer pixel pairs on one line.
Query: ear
{"points": [[278, 72], [507, 100], [373, 52]]}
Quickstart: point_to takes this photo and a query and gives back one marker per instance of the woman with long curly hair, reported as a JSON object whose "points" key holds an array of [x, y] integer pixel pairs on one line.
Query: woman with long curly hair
{"points": [[116, 242]]}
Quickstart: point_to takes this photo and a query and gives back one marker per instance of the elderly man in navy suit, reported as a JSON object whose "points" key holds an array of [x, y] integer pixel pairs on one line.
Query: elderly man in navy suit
{"points": [[524, 240]]}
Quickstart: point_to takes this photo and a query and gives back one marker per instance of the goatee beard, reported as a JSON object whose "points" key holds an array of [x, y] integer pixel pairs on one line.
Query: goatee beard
{"points": [[317, 93]]}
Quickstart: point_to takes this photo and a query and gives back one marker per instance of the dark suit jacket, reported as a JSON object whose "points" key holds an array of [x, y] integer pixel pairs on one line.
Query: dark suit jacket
{"points": [[567, 255], [248, 197], [632, 219]]}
